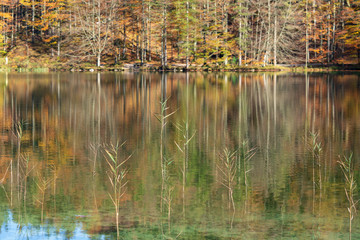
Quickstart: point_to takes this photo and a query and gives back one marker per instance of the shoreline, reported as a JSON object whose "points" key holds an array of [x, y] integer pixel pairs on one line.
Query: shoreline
{"points": [[176, 67]]}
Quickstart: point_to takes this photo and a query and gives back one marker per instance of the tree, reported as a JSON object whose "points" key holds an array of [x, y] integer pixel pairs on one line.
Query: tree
{"points": [[95, 21], [351, 35], [5, 24]]}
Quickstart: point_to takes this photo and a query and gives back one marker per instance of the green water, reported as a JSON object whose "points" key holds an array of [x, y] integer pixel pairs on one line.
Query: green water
{"points": [[55, 129]]}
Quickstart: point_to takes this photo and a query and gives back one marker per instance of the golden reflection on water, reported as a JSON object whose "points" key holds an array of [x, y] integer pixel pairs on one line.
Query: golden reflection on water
{"points": [[68, 117]]}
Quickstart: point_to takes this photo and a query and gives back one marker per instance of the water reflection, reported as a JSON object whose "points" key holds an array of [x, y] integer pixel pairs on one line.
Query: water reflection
{"points": [[54, 174]]}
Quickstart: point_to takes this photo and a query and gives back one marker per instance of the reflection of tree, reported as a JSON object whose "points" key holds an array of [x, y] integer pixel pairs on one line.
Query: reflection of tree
{"points": [[68, 112]]}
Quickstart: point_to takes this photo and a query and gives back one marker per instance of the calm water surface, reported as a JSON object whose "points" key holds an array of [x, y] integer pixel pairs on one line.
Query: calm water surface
{"points": [[55, 130]]}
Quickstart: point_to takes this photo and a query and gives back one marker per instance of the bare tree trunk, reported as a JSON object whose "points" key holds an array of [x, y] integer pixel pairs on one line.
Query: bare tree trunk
{"points": [[124, 41], [149, 19], [321, 40], [240, 33], [333, 33], [254, 44], [164, 35], [137, 47], [187, 35], [195, 45], [33, 21], [306, 35], [59, 38], [43, 12], [226, 31], [314, 27], [275, 41], [142, 46], [13, 29], [216, 34], [328, 37], [267, 48], [98, 61]]}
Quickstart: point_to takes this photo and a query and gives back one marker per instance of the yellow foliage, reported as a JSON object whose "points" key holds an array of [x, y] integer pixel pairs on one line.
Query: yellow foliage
{"points": [[199, 61], [44, 28], [26, 3], [6, 16]]}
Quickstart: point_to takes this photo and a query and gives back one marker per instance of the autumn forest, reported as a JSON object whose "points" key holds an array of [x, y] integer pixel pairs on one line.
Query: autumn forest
{"points": [[187, 32]]}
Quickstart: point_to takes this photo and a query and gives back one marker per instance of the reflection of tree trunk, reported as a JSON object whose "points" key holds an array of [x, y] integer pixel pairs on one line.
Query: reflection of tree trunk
{"points": [[313, 165], [18, 165], [239, 127], [266, 84], [54, 186], [185, 162], [275, 108], [319, 159], [11, 182], [33, 124], [314, 109], [306, 105], [225, 109], [313, 183], [257, 110], [215, 120], [162, 164], [98, 80]]}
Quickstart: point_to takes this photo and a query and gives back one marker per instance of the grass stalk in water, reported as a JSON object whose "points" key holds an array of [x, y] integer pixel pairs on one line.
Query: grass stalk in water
{"points": [[55, 175], [245, 155], [228, 170], [26, 173], [183, 148], [167, 191], [315, 149], [162, 117], [227, 173], [350, 187], [43, 184], [2, 181], [17, 131], [94, 147], [116, 174]]}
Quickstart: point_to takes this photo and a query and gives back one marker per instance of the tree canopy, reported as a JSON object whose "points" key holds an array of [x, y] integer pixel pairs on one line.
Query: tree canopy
{"points": [[189, 31]]}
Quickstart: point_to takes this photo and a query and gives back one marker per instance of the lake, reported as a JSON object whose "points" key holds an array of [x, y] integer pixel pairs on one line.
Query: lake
{"points": [[178, 155]]}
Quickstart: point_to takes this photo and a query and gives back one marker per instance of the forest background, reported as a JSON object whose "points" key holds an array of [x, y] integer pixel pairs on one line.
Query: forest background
{"points": [[219, 33]]}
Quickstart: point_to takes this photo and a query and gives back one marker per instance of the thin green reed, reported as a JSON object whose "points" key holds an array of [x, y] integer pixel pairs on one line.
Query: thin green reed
{"points": [[17, 131], [26, 169], [315, 149], [245, 155], [227, 169], [227, 172], [166, 189], [183, 147], [116, 174], [43, 183], [346, 165]]}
